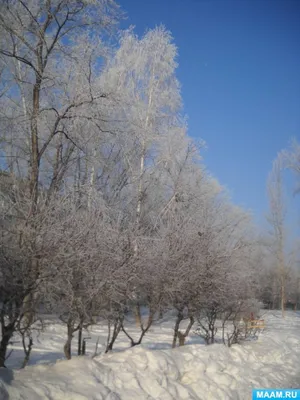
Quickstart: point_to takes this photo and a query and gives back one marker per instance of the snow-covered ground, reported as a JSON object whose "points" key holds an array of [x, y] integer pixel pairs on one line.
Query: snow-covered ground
{"points": [[155, 371]]}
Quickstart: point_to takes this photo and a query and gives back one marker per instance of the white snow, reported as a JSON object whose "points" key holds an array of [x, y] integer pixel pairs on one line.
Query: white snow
{"points": [[155, 371]]}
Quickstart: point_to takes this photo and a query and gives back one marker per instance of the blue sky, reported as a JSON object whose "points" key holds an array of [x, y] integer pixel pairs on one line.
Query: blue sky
{"points": [[239, 66]]}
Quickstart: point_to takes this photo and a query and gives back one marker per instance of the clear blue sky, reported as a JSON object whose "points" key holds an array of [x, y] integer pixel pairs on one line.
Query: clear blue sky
{"points": [[239, 66]]}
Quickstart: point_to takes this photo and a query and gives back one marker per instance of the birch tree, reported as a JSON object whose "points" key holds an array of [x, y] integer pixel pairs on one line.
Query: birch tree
{"points": [[143, 72], [276, 220]]}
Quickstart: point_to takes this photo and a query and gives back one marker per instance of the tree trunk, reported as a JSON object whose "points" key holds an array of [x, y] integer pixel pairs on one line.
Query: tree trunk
{"points": [[283, 300], [274, 292], [67, 346], [7, 333], [92, 179], [56, 168], [176, 328], [28, 303], [161, 314], [138, 316], [33, 186], [35, 162], [283, 278], [211, 327], [79, 352], [182, 336], [27, 350], [117, 328]]}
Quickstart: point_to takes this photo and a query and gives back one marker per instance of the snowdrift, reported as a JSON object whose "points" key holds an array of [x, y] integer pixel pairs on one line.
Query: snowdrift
{"points": [[191, 372]]}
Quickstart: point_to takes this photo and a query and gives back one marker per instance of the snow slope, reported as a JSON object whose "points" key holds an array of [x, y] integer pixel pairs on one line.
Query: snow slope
{"points": [[195, 371]]}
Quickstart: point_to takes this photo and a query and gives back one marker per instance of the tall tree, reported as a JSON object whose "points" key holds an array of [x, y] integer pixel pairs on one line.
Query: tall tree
{"points": [[276, 219], [50, 52]]}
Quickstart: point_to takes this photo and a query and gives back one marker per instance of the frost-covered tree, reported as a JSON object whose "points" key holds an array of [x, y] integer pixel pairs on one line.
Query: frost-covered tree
{"points": [[276, 220], [44, 44], [45, 47], [291, 159]]}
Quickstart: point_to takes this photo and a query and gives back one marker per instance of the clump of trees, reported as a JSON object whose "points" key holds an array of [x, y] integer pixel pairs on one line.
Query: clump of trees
{"points": [[105, 203], [280, 276]]}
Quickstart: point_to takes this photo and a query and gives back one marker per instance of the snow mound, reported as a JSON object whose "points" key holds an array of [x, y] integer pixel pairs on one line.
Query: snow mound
{"points": [[190, 372]]}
